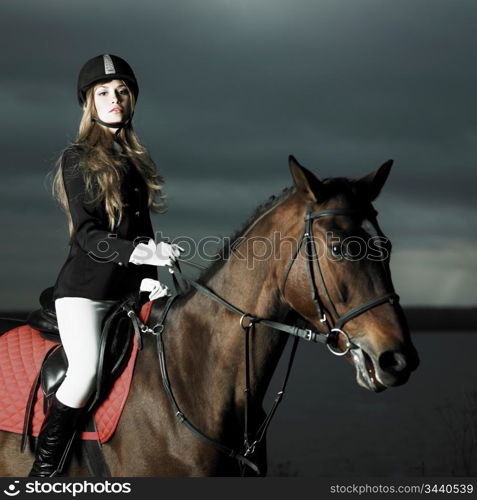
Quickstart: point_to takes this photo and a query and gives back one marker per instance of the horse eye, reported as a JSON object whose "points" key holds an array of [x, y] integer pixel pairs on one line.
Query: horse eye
{"points": [[336, 250]]}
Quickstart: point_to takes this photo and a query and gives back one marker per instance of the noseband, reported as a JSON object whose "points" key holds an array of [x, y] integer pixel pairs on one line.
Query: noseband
{"points": [[332, 334]]}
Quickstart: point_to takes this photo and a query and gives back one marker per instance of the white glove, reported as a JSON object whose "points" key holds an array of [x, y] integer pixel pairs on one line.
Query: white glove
{"points": [[166, 249], [156, 288], [161, 255]]}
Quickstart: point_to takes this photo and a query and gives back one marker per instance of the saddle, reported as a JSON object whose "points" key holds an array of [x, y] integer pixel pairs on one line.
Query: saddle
{"points": [[116, 345], [33, 368]]}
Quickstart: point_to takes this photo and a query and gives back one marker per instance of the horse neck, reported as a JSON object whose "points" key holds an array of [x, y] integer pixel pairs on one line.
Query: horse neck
{"points": [[209, 341], [256, 294]]}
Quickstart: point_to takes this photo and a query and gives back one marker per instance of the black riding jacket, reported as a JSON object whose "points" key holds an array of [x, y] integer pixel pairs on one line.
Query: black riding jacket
{"points": [[97, 266]]}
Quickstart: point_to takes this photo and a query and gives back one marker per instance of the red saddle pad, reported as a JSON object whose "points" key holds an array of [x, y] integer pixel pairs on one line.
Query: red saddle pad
{"points": [[22, 350]]}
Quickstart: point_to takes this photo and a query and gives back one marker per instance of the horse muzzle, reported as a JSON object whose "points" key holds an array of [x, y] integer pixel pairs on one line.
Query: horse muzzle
{"points": [[389, 368]]}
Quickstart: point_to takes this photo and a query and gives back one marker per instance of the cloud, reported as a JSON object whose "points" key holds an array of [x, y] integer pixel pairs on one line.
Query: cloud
{"points": [[228, 89], [434, 259]]}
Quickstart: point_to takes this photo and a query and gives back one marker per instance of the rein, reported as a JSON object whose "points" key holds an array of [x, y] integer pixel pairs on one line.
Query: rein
{"points": [[329, 337], [247, 322]]}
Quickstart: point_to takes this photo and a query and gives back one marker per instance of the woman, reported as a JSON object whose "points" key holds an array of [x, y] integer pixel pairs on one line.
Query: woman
{"points": [[106, 183]]}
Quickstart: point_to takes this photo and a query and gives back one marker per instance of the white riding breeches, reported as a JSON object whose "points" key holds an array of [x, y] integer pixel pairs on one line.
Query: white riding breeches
{"points": [[79, 325]]}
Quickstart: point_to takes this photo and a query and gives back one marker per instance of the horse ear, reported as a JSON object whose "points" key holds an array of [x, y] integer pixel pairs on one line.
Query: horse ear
{"points": [[305, 181], [372, 183]]}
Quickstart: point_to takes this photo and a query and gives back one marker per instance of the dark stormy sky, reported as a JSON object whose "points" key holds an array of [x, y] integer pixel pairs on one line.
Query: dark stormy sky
{"points": [[230, 88]]}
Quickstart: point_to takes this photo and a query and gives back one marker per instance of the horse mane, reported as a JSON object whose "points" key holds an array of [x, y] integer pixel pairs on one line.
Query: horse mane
{"points": [[223, 253], [334, 186]]}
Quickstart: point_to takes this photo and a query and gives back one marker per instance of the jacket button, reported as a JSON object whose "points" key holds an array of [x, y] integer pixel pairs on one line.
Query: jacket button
{"points": [[137, 213], [120, 263], [136, 189]]}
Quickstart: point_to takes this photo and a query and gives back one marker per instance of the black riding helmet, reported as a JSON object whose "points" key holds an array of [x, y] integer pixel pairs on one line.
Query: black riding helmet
{"points": [[103, 68]]}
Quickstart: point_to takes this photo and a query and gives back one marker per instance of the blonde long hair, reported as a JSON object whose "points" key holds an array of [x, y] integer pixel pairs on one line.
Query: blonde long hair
{"points": [[104, 168]]}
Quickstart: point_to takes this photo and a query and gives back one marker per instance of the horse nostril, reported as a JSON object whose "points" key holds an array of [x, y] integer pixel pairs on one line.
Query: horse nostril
{"points": [[392, 360]]}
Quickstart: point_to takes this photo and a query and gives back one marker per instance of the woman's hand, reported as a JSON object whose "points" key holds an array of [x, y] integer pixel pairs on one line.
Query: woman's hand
{"points": [[156, 288], [162, 254]]}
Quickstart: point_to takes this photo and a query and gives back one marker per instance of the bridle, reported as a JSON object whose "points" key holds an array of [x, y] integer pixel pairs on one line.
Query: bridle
{"points": [[248, 321], [307, 238]]}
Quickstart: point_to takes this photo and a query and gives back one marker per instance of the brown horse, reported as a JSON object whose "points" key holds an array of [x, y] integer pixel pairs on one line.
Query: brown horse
{"points": [[326, 286]]}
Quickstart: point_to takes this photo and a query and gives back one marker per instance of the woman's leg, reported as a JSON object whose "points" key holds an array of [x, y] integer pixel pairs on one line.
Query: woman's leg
{"points": [[79, 324]]}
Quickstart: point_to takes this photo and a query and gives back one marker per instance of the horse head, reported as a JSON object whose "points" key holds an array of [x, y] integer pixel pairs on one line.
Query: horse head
{"points": [[339, 279]]}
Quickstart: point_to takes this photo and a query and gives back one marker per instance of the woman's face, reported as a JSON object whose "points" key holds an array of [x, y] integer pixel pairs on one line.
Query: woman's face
{"points": [[112, 101]]}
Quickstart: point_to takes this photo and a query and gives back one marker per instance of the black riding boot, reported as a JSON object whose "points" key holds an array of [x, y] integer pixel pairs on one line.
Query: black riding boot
{"points": [[54, 440]]}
